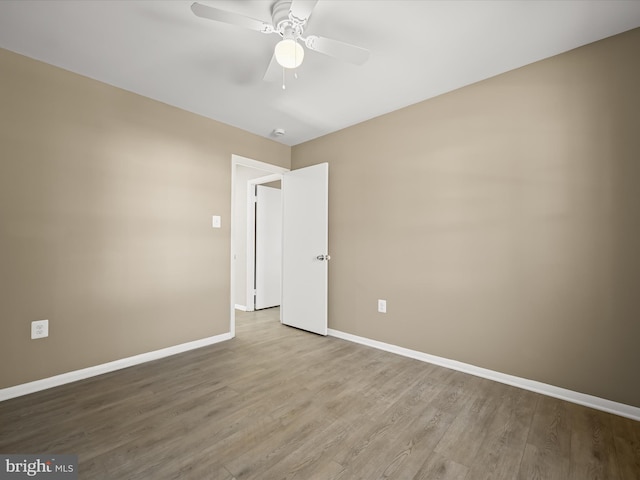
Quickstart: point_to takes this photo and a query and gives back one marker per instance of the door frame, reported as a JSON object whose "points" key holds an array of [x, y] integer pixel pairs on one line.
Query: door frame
{"points": [[268, 168], [251, 231]]}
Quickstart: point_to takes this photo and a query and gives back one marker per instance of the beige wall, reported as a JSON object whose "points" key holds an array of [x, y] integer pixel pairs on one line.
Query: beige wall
{"points": [[106, 200], [501, 222]]}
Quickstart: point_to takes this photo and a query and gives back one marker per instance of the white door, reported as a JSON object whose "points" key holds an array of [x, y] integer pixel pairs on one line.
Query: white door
{"points": [[268, 256], [305, 242]]}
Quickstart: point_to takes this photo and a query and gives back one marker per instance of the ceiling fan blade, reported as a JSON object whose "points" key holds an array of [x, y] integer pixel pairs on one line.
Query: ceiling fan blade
{"points": [[274, 71], [334, 48], [211, 13], [301, 9]]}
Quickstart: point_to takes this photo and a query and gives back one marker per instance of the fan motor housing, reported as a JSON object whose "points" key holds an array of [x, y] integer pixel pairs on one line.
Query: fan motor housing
{"points": [[280, 11], [280, 16]]}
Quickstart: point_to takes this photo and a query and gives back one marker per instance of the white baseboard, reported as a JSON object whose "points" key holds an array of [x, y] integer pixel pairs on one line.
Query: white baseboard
{"points": [[57, 380], [598, 403], [241, 307]]}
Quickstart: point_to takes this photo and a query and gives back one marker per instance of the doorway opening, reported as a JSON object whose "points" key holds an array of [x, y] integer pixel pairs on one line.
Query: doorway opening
{"points": [[243, 170], [264, 242]]}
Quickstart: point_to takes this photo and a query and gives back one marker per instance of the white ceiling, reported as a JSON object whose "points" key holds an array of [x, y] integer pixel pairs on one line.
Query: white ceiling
{"points": [[419, 49]]}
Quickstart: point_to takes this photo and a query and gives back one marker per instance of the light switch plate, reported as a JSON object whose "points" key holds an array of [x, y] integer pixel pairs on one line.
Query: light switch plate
{"points": [[216, 221], [382, 306]]}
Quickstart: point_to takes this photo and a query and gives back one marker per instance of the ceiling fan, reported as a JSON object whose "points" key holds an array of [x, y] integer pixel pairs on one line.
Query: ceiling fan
{"points": [[289, 19]]}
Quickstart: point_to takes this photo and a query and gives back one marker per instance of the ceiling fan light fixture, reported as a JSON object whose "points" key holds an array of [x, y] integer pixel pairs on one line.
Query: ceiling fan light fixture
{"points": [[289, 53]]}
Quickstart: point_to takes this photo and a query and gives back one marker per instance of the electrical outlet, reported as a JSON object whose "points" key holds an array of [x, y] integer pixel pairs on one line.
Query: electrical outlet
{"points": [[39, 329], [382, 306]]}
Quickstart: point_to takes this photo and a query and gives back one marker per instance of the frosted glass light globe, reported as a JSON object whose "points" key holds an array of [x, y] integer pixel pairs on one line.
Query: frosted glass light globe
{"points": [[289, 53]]}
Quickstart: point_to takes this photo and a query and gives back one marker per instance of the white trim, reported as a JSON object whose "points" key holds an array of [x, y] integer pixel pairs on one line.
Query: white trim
{"points": [[598, 403], [64, 378], [274, 177], [257, 164], [242, 308]]}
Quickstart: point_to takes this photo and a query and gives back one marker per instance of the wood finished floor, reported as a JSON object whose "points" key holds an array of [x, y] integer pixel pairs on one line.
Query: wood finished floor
{"points": [[279, 403]]}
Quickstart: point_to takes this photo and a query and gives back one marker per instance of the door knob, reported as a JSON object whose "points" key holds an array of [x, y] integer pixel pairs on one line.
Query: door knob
{"points": [[324, 257]]}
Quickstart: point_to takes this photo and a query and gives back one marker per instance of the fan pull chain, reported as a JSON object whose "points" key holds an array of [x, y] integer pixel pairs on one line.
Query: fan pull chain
{"points": [[284, 87]]}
